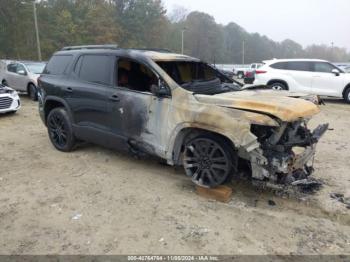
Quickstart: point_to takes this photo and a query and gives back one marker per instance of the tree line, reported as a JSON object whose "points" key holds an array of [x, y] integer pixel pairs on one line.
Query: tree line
{"points": [[140, 24]]}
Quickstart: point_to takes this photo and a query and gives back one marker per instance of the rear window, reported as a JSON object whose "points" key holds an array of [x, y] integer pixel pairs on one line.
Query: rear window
{"points": [[58, 64], [95, 69], [300, 66]]}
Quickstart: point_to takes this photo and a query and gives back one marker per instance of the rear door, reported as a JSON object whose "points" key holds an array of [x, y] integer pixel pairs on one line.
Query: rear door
{"points": [[324, 82], [86, 93], [301, 73]]}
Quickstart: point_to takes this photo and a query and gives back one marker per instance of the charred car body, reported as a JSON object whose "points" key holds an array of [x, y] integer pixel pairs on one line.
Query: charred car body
{"points": [[179, 109]]}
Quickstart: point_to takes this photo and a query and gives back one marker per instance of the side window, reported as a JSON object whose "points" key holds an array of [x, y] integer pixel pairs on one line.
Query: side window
{"points": [[135, 76], [323, 67], [20, 68], [299, 66], [12, 68], [78, 65], [279, 65], [58, 64], [96, 69]]}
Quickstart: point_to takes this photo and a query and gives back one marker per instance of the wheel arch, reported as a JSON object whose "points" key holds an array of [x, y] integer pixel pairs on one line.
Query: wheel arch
{"points": [[345, 89], [188, 133], [272, 81], [30, 83], [54, 102]]}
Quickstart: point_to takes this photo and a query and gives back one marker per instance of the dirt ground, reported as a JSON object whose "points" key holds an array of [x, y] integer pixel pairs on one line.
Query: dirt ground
{"points": [[97, 201]]}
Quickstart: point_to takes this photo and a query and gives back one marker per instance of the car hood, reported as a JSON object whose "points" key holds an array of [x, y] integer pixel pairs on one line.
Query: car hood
{"points": [[5, 89], [282, 104]]}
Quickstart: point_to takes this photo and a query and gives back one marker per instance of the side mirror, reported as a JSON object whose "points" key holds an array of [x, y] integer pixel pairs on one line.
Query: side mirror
{"points": [[22, 72], [336, 72], [160, 90]]}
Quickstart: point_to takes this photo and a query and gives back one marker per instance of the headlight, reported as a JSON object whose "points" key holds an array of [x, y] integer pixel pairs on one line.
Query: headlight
{"points": [[14, 94]]}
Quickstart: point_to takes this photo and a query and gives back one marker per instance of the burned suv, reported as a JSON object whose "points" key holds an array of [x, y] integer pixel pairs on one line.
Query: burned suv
{"points": [[180, 109]]}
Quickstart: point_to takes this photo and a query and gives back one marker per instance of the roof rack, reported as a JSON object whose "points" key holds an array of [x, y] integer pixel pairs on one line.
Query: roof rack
{"points": [[78, 47], [161, 50]]}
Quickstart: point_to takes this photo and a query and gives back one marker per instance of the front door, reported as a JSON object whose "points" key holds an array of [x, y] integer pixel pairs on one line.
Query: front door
{"points": [[136, 113], [324, 82], [20, 80]]}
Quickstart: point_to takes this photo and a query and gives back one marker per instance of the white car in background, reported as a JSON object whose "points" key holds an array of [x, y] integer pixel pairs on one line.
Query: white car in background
{"points": [[23, 76], [311, 76], [9, 100]]}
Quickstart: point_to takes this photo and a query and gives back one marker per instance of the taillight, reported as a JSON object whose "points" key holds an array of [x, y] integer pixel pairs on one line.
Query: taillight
{"points": [[260, 72], [248, 74]]}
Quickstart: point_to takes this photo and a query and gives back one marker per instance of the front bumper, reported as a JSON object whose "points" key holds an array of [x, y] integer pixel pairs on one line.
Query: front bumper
{"points": [[9, 103], [292, 167]]}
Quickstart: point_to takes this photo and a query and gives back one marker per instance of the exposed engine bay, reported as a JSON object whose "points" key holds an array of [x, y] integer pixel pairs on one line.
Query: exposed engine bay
{"points": [[286, 154]]}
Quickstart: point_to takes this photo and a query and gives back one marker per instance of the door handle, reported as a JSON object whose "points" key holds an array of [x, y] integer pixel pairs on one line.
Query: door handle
{"points": [[69, 89], [114, 98]]}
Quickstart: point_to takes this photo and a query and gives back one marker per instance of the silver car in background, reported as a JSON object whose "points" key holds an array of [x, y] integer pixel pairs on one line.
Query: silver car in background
{"points": [[22, 76]]}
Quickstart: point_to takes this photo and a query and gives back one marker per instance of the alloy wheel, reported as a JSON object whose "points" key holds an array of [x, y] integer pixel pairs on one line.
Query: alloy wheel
{"points": [[57, 130], [277, 87], [206, 162]]}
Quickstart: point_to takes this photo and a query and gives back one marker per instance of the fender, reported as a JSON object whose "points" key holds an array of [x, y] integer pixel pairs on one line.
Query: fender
{"points": [[246, 140], [60, 100]]}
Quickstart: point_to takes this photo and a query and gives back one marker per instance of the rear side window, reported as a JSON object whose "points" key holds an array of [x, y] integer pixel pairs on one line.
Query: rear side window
{"points": [[280, 65], [95, 69], [300, 66], [58, 64]]}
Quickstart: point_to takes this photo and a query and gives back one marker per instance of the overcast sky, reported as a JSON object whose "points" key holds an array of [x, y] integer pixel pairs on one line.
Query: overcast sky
{"points": [[305, 21]]}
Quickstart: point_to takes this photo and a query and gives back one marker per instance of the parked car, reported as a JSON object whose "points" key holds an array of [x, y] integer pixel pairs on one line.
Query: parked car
{"points": [[346, 69], [310, 76], [177, 108], [22, 76], [343, 66], [9, 100], [241, 71]]}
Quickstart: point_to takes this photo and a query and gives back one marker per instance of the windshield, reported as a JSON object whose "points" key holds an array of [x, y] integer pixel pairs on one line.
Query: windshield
{"points": [[198, 77], [36, 68], [187, 72]]}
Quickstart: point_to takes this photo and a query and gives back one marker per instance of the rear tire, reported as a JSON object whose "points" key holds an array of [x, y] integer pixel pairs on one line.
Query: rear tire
{"points": [[209, 160], [347, 95], [32, 92], [60, 130], [278, 86]]}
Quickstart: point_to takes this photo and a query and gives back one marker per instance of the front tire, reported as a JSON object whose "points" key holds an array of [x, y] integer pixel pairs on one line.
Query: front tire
{"points": [[32, 92], [240, 75], [347, 95], [60, 130], [278, 86], [209, 161]]}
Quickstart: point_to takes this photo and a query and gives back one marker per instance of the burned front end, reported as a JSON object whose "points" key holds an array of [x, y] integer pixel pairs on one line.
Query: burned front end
{"points": [[286, 154]]}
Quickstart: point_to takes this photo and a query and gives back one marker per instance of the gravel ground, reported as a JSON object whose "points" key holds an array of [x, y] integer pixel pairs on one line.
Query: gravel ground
{"points": [[97, 201]]}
